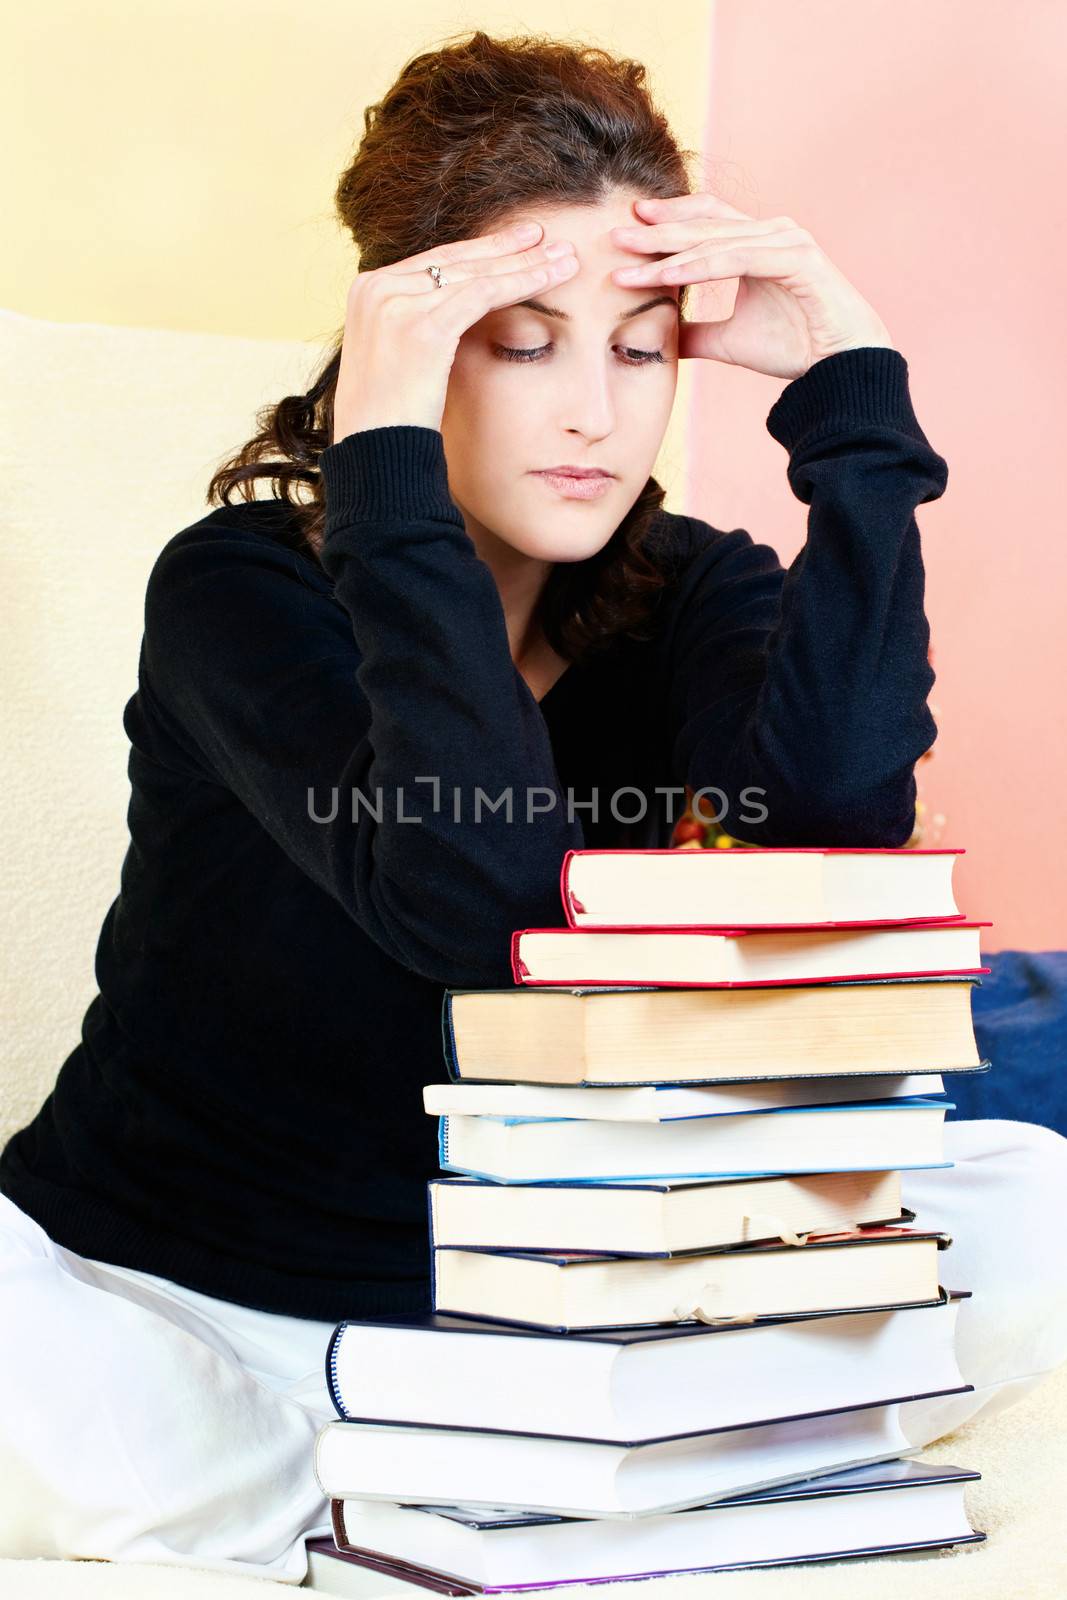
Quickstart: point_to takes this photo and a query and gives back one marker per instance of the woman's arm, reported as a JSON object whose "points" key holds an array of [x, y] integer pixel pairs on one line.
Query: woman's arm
{"points": [[812, 684], [408, 684]]}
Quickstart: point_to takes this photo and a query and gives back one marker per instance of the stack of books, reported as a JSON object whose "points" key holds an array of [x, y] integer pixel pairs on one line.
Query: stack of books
{"points": [[677, 1300]]}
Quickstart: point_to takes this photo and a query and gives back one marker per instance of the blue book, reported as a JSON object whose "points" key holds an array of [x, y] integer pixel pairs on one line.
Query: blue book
{"points": [[856, 1137]]}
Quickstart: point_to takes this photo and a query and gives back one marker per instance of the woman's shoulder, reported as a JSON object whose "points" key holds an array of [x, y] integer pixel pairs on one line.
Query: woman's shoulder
{"points": [[271, 524], [685, 546], [230, 581], [253, 537]]}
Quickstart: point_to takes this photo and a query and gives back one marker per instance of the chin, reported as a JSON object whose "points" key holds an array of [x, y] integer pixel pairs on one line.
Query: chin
{"points": [[576, 543]]}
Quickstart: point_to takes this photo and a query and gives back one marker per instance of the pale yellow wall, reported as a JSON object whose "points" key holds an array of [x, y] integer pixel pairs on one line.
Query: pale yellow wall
{"points": [[171, 163]]}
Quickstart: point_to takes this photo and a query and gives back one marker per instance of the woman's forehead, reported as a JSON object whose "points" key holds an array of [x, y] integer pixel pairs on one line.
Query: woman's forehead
{"points": [[585, 222]]}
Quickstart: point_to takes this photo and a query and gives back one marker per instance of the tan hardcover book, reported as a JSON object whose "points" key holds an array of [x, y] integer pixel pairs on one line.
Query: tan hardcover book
{"points": [[697, 1035]]}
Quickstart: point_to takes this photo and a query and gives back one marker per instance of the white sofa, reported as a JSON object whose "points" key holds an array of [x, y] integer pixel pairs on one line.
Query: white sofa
{"points": [[109, 437]]}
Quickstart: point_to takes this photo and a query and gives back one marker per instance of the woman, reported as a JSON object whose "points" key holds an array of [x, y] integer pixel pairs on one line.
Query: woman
{"points": [[475, 596]]}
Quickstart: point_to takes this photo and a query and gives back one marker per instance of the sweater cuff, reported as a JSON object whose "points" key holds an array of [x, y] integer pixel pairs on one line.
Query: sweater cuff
{"points": [[843, 392], [390, 473]]}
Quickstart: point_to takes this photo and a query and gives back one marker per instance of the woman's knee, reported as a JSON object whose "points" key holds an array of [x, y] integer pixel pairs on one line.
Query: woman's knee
{"points": [[1031, 1165], [1011, 1198], [21, 1237], [172, 1441], [1047, 1153]]}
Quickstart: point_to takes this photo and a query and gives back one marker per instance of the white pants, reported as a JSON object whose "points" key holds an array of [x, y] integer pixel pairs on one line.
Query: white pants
{"points": [[143, 1421]]}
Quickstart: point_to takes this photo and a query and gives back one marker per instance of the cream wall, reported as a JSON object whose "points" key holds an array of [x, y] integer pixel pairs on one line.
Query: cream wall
{"points": [[172, 164], [145, 315], [924, 145]]}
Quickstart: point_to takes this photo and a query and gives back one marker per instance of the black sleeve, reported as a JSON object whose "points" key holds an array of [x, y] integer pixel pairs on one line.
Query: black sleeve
{"points": [[398, 694], [808, 687]]}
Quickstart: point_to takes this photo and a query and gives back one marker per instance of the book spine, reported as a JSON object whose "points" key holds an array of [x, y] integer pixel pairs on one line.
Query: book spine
{"points": [[410, 1575], [565, 890], [331, 1370], [433, 1280], [448, 1038], [337, 1519], [430, 1210]]}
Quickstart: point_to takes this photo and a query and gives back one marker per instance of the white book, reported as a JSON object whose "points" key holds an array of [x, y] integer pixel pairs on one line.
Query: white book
{"points": [[653, 1219], [587, 1478], [854, 1137], [890, 1506], [623, 1384], [665, 1102], [564, 1292]]}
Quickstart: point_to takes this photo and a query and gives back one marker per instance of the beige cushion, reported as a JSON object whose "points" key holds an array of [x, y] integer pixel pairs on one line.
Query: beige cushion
{"points": [[108, 438]]}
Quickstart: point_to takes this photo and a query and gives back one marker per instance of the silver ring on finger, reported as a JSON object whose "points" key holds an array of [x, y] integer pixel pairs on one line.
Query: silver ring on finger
{"points": [[437, 275]]}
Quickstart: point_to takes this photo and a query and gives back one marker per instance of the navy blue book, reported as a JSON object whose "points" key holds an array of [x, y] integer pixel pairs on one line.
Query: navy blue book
{"points": [[624, 1384]]}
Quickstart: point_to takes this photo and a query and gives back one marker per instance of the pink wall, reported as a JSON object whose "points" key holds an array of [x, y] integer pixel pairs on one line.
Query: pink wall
{"points": [[923, 146]]}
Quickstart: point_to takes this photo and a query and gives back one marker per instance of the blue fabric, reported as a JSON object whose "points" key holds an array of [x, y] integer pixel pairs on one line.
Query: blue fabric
{"points": [[1020, 1021]]}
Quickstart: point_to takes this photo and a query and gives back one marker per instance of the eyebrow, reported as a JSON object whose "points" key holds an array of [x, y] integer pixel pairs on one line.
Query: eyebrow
{"points": [[565, 316]]}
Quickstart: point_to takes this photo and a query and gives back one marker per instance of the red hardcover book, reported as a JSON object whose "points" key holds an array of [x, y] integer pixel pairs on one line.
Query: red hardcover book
{"points": [[700, 957], [772, 887]]}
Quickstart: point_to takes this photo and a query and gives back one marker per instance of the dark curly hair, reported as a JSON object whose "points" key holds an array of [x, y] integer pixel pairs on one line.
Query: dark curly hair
{"points": [[466, 135]]}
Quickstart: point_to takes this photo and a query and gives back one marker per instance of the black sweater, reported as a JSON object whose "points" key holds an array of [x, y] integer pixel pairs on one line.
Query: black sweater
{"points": [[243, 1112]]}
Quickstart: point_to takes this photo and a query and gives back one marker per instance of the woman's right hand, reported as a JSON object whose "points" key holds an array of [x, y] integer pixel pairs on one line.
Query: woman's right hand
{"points": [[402, 331]]}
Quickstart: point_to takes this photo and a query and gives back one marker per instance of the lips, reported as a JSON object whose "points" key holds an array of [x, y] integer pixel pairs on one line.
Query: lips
{"points": [[576, 483]]}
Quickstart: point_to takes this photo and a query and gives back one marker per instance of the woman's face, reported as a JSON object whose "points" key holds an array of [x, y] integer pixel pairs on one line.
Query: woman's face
{"points": [[592, 388]]}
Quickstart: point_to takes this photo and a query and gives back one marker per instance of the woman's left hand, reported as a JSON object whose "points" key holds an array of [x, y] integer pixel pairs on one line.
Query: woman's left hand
{"points": [[793, 306]]}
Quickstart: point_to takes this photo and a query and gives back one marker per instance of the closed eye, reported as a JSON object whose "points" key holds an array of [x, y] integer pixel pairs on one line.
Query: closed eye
{"points": [[630, 356]]}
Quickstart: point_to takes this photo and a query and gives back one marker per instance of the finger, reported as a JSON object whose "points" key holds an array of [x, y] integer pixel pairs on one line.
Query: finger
{"points": [[498, 243], [702, 341], [387, 284], [459, 306], [701, 204], [674, 236], [537, 255], [732, 258]]}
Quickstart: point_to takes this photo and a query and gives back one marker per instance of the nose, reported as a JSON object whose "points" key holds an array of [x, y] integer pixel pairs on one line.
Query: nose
{"points": [[584, 398]]}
